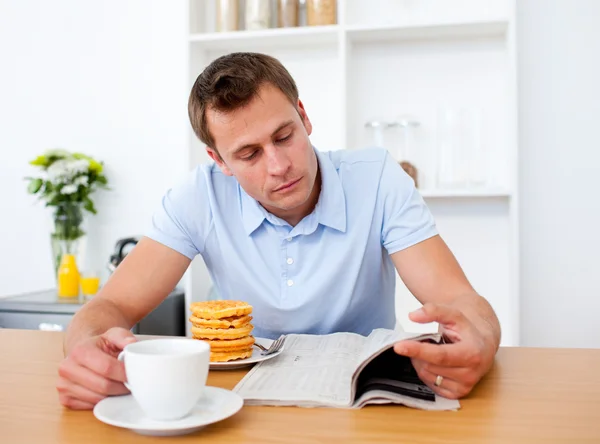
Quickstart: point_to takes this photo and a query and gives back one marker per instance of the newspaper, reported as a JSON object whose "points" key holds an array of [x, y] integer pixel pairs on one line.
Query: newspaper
{"points": [[343, 370]]}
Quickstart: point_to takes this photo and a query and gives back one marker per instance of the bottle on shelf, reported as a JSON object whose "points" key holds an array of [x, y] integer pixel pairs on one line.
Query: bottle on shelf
{"points": [[321, 12], [288, 13], [258, 14], [227, 15]]}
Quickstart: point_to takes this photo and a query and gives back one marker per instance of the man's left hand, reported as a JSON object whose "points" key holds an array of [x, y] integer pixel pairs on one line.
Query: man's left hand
{"points": [[457, 366]]}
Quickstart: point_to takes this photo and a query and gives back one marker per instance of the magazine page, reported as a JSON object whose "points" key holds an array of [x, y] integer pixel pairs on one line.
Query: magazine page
{"points": [[382, 376], [313, 370], [385, 397]]}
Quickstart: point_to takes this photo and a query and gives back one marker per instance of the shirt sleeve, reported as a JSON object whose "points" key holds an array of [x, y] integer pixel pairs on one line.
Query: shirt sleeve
{"points": [[183, 217], [406, 218]]}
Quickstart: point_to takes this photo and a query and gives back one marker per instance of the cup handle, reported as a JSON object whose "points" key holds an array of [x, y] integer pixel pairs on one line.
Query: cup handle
{"points": [[121, 358]]}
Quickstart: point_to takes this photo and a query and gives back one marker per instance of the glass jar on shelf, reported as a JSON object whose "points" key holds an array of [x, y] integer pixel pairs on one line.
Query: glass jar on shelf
{"points": [[321, 12], [258, 14], [376, 129], [288, 13], [406, 152], [227, 15], [461, 156]]}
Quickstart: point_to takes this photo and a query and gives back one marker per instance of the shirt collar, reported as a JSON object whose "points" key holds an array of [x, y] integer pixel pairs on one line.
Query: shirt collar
{"points": [[331, 207], [329, 211], [253, 213]]}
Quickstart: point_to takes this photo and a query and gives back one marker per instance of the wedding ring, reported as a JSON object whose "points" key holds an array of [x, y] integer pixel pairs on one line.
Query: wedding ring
{"points": [[438, 380]]}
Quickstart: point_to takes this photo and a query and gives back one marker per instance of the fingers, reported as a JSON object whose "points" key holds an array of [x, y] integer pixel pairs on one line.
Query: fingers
{"points": [[85, 377], [90, 356], [91, 371], [73, 392], [75, 404], [115, 339], [445, 355], [450, 387], [466, 377], [442, 314]]}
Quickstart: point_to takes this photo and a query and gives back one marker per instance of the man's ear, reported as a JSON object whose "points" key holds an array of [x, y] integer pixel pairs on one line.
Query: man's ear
{"points": [[214, 155], [304, 116]]}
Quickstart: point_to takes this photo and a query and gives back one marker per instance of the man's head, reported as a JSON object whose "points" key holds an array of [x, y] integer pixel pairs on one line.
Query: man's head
{"points": [[245, 108]]}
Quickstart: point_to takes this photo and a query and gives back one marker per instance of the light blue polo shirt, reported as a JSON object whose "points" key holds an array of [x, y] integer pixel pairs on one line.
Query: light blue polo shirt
{"points": [[331, 272]]}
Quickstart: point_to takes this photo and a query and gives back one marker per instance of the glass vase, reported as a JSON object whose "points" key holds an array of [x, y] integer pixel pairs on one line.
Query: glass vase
{"points": [[68, 236]]}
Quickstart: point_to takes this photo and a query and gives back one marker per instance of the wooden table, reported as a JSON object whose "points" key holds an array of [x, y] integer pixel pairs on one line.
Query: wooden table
{"points": [[531, 395]]}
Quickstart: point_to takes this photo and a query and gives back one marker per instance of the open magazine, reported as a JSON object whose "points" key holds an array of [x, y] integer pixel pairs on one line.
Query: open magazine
{"points": [[343, 370]]}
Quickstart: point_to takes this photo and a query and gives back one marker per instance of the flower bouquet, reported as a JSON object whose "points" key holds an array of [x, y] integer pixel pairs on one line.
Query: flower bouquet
{"points": [[67, 183]]}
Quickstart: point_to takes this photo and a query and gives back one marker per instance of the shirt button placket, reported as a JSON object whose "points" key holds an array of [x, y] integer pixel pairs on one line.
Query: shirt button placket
{"points": [[287, 260]]}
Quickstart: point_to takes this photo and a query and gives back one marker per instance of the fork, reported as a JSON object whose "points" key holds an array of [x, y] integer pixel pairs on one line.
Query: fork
{"points": [[274, 348]]}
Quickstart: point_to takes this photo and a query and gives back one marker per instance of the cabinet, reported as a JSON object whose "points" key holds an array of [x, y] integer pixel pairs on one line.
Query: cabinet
{"points": [[390, 60], [43, 310]]}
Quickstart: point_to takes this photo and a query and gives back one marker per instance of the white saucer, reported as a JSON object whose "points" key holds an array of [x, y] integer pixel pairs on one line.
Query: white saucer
{"points": [[123, 411], [255, 358]]}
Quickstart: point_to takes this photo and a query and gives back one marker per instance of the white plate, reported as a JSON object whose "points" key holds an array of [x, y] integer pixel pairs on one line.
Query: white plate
{"points": [[241, 363], [123, 411]]}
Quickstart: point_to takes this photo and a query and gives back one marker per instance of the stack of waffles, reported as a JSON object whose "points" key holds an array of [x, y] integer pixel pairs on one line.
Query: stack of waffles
{"points": [[226, 326]]}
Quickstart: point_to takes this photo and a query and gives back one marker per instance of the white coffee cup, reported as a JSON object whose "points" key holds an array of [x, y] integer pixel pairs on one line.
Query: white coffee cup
{"points": [[166, 376]]}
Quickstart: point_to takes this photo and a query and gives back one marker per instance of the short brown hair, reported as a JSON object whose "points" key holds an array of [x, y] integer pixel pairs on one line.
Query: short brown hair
{"points": [[231, 82]]}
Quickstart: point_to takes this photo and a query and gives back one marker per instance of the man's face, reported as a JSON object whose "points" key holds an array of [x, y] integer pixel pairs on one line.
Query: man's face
{"points": [[266, 146]]}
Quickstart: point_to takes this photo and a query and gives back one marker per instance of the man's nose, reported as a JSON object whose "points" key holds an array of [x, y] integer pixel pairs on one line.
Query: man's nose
{"points": [[278, 162]]}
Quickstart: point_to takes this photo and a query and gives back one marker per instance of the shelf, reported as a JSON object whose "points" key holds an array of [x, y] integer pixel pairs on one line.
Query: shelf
{"points": [[464, 193], [367, 34], [308, 36], [274, 38]]}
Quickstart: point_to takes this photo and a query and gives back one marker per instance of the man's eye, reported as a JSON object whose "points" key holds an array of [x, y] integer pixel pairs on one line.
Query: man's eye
{"points": [[284, 139], [251, 156]]}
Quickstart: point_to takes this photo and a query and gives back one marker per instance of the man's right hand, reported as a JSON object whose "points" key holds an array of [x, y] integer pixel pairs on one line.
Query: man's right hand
{"points": [[91, 370]]}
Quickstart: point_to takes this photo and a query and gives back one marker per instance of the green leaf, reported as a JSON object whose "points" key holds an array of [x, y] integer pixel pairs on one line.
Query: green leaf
{"points": [[101, 179], [89, 205], [39, 161], [35, 185], [54, 199]]}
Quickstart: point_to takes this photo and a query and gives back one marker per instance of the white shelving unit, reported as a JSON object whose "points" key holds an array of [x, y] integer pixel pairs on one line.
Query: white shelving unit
{"points": [[386, 59]]}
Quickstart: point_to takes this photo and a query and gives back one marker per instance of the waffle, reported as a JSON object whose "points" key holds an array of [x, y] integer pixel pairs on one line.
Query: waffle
{"points": [[230, 356], [230, 322], [222, 333], [220, 309], [225, 326], [221, 345]]}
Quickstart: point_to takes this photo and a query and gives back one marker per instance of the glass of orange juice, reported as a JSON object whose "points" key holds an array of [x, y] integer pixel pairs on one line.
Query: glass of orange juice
{"points": [[90, 282]]}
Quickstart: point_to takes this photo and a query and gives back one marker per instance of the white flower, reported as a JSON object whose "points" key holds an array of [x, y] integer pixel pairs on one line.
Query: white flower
{"points": [[58, 171], [78, 166], [69, 189], [64, 170], [81, 180]]}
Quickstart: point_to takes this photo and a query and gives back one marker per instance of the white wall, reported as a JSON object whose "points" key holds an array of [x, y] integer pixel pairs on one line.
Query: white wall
{"points": [[559, 45], [110, 78], [107, 78]]}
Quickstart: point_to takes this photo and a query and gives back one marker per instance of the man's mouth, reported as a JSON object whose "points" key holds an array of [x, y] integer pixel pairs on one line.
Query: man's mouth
{"points": [[287, 186]]}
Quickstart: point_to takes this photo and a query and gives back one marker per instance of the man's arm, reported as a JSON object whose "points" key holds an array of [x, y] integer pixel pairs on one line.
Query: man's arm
{"points": [[141, 282], [433, 275], [101, 328]]}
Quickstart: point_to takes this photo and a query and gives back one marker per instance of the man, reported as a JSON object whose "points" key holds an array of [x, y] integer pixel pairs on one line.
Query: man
{"points": [[312, 240]]}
